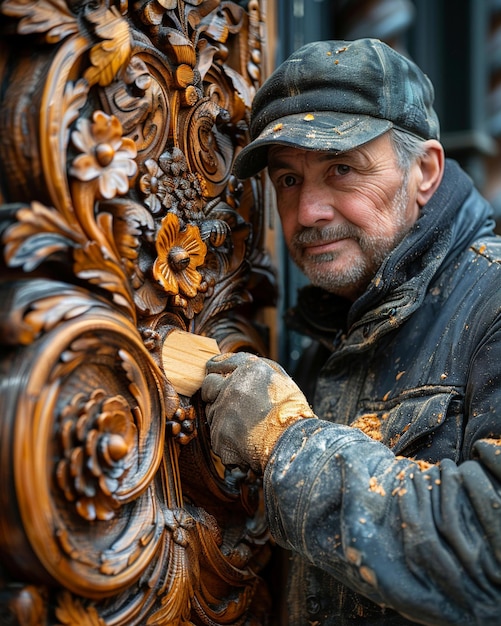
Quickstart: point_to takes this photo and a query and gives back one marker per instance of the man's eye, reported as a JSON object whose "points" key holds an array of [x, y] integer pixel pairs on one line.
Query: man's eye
{"points": [[289, 180], [343, 169]]}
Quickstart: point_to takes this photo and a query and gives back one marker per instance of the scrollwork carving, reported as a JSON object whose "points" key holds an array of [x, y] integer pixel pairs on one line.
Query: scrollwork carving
{"points": [[121, 220]]}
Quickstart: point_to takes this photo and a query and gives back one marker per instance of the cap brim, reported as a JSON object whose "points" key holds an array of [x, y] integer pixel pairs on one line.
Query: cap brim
{"points": [[324, 131]]}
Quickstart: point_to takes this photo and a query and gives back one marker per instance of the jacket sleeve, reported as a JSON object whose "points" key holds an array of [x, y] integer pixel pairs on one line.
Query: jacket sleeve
{"points": [[422, 539]]}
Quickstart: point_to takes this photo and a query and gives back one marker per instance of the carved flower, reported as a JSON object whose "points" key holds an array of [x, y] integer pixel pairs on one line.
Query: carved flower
{"points": [[98, 435], [153, 185], [179, 254], [106, 155]]}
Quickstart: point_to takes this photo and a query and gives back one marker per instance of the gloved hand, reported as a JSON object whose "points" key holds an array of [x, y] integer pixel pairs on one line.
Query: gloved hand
{"points": [[250, 402]]}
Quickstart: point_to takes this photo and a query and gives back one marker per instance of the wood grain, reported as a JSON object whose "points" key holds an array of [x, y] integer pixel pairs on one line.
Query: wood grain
{"points": [[184, 356]]}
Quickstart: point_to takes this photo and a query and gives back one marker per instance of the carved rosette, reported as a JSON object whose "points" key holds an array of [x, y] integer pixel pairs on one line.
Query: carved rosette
{"points": [[120, 221]]}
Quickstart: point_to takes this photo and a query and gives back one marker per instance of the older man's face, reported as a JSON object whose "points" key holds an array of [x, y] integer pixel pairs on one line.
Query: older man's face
{"points": [[342, 215]]}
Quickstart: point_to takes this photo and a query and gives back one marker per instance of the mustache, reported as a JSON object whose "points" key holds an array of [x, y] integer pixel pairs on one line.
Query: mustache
{"points": [[312, 235]]}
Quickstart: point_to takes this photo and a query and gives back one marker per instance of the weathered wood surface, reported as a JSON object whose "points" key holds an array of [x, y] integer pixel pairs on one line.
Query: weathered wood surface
{"points": [[120, 221]]}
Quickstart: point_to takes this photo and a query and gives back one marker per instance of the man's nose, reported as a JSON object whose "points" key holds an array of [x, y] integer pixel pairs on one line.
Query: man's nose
{"points": [[315, 206]]}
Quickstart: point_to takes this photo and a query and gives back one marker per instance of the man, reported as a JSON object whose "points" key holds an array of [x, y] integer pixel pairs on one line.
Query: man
{"points": [[388, 492]]}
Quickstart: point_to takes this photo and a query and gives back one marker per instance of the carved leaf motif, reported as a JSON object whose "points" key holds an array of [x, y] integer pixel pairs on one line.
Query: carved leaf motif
{"points": [[39, 232], [177, 569], [199, 9], [92, 265], [49, 312], [217, 27], [109, 56], [131, 222], [185, 52], [71, 611], [51, 17], [75, 95], [148, 298], [145, 530]]}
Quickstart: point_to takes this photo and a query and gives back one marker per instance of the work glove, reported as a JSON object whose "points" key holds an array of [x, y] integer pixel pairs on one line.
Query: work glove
{"points": [[250, 402]]}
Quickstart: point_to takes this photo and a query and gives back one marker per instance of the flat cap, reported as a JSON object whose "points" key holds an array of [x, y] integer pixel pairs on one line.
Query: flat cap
{"points": [[336, 96]]}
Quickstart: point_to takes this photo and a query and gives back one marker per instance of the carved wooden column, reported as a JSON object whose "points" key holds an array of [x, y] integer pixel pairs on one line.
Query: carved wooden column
{"points": [[120, 221]]}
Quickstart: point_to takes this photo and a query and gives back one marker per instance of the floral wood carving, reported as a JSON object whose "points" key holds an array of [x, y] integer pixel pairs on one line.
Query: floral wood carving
{"points": [[121, 221]]}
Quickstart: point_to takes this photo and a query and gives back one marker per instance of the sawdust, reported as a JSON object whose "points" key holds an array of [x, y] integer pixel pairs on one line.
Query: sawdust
{"points": [[368, 575], [375, 487], [353, 555], [496, 442], [423, 465], [370, 424]]}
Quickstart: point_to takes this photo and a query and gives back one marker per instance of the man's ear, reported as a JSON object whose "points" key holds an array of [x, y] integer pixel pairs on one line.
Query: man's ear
{"points": [[431, 165]]}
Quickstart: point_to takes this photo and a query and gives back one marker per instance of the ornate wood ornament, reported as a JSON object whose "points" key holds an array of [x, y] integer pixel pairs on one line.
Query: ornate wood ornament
{"points": [[121, 221]]}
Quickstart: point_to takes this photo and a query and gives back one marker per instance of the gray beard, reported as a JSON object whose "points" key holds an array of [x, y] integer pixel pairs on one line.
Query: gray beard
{"points": [[354, 278]]}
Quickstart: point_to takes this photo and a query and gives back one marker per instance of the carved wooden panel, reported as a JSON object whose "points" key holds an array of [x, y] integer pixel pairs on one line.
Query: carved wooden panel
{"points": [[120, 221]]}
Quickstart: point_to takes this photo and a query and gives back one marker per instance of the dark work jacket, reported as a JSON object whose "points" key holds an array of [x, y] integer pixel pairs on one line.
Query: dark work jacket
{"points": [[391, 501]]}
